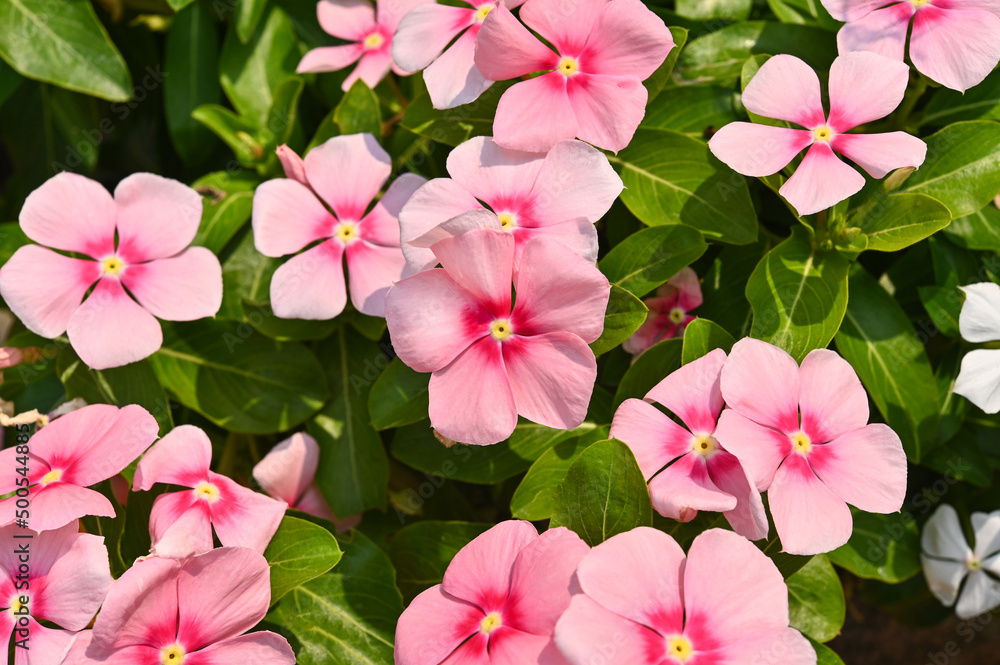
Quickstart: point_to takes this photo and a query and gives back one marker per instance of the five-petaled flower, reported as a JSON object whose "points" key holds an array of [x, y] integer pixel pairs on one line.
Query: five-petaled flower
{"points": [[948, 561], [669, 312]]}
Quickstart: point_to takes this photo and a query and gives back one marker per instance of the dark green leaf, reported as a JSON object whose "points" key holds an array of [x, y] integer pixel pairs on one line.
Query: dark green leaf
{"points": [[457, 125], [882, 547], [651, 367], [624, 315], [702, 336], [358, 112], [399, 397], [228, 200], [298, 552], [650, 257], [943, 304], [899, 220], [692, 110], [724, 287], [980, 230], [238, 134], [248, 16], [816, 600], [658, 79], [421, 552], [982, 102]]}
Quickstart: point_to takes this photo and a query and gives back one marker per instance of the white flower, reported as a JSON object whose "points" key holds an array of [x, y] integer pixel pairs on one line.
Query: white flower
{"points": [[948, 561], [979, 379]]}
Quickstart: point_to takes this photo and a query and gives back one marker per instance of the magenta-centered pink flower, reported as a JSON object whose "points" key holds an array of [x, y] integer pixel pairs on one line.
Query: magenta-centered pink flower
{"points": [[67, 578], [558, 195], [863, 87], [592, 90], [954, 42], [457, 322], [326, 198], [498, 603], [369, 31], [668, 312], [687, 469], [154, 220], [181, 522], [191, 612], [69, 455], [802, 434], [644, 603]]}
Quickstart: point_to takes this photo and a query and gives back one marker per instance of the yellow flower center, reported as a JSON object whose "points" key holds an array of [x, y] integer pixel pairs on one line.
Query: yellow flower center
{"points": [[500, 329], [974, 564], [206, 491], [490, 623], [483, 12], [172, 655], [917, 4], [568, 66], [704, 444], [15, 603], [112, 266], [508, 220], [346, 232], [801, 442], [52, 476], [679, 648], [823, 133], [677, 315], [374, 40]]}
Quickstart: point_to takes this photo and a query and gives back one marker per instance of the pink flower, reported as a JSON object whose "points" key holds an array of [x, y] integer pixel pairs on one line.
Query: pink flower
{"points": [[604, 49], [499, 602], [12, 356], [163, 611], [370, 35], [154, 219], [68, 577], [643, 603], [344, 175], [496, 362], [863, 87], [701, 474], [70, 454], [451, 77], [802, 435], [558, 195], [668, 312], [181, 522], [955, 43]]}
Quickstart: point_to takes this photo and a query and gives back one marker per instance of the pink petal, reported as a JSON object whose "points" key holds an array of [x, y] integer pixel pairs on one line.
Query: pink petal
{"points": [[289, 468], [878, 154], [587, 634], [432, 626], [480, 572], [687, 286], [46, 645], [76, 578], [44, 288], [797, 499], [291, 164], [557, 290], [432, 320], [287, 216], [182, 457], [883, 31], [481, 262], [956, 47], [472, 652], [347, 172], [141, 607], [157, 217], [313, 503], [786, 88], [182, 288], [329, 58], [242, 517], [552, 376], [495, 175], [311, 284], [637, 575], [750, 597], [478, 380], [381, 225], [372, 269], [110, 329], [84, 651], [654, 438], [391, 12], [350, 20], [831, 398], [627, 39], [761, 382], [506, 50], [851, 10], [73, 213], [864, 87], [257, 647], [534, 115], [575, 181], [435, 202], [180, 525], [425, 32], [453, 79], [608, 108], [692, 392], [758, 150], [760, 449], [866, 468], [748, 518], [540, 581], [509, 646], [821, 181], [684, 488], [549, 18], [59, 504], [578, 235], [372, 68], [764, 646], [472, 220]]}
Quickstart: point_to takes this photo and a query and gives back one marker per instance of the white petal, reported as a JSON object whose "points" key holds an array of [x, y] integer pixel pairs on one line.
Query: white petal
{"points": [[943, 537], [979, 379], [943, 578], [981, 594], [987, 529], [980, 317]]}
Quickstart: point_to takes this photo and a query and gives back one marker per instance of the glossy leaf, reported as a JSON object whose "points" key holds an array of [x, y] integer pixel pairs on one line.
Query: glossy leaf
{"points": [[624, 315], [421, 552], [358, 112], [651, 367], [896, 221], [702, 336], [298, 552], [647, 259], [399, 397], [816, 604], [882, 547]]}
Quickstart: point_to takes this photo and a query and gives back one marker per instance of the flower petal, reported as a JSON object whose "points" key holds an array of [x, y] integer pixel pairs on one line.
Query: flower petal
{"points": [[987, 530], [110, 329], [587, 634], [182, 457], [156, 217], [979, 379], [453, 79], [549, 18], [141, 607], [291, 164], [480, 572], [865, 86], [381, 225], [534, 115], [759, 449], [654, 438], [329, 58], [608, 109], [541, 580], [506, 50], [181, 288], [575, 181], [498, 176], [980, 317], [578, 235], [748, 518], [785, 645], [944, 577], [878, 154], [761, 382], [955, 47], [311, 284], [372, 68], [347, 172], [46, 214], [425, 32], [882, 31], [692, 392], [261, 646], [76, 580], [942, 536], [798, 499], [289, 468], [510, 646], [57, 505], [786, 88], [821, 181], [865, 467], [350, 20], [242, 517], [684, 488], [371, 270], [980, 594], [433, 625], [832, 400], [44, 288], [180, 526], [758, 150], [287, 216], [435, 202], [627, 39], [851, 10], [482, 263]]}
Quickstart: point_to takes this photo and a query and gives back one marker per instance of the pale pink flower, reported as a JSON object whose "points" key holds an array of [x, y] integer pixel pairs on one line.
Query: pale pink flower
{"points": [[155, 219], [558, 195], [196, 611], [326, 197], [802, 435], [67, 578], [687, 469], [369, 29], [489, 362], [954, 42], [593, 89], [668, 312], [181, 522], [644, 603], [422, 43], [12, 356], [863, 87], [498, 603], [69, 455]]}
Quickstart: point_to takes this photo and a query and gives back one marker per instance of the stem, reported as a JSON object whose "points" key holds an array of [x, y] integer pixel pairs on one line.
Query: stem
{"points": [[909, 101]]}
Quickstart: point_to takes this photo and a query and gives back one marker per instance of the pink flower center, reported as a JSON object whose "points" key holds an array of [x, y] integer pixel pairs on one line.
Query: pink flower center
{"points": [[172, 655], [483, 11], [824, 133], [112, 266], [801, 443], [568, 66], [373, 41], [346, 232], [679, 648], [490, 623], [677, 315], [206, 491], [501, 329]]}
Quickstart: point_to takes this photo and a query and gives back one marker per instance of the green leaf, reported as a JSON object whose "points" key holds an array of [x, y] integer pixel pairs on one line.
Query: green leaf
{"points": [[651, 367], [943, 304], [421, 552], [65, 44], [816, 604], [671, 178], [239, 380], [227, 204], [178, 5], [239, 134], [980, 230], [399, 397], [961, 458], [880, 343], [946, 106], [650, 257], [658, 79], [457, 125], [882, 547], [704, 10], [358, 112], [354, 470], [192, 59], [248, 16], [625, 314], [12, 238], [962, 169], [692, 110], [702, 336], [347, 616], [9, 80], [896, 221], [298, 552], [724, 287], [798, 295], [603, 494], [282, 119], [824, 654]]}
